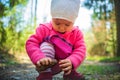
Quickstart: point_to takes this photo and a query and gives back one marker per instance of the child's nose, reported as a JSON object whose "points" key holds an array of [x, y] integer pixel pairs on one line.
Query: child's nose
{"points": [[62, 28]]}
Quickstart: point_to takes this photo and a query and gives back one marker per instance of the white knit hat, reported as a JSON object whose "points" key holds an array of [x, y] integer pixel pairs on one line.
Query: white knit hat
{"points": [[65, 9]]}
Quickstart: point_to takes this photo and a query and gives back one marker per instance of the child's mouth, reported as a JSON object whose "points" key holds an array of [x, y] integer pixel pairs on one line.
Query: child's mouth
{"points": [[61, 32]]}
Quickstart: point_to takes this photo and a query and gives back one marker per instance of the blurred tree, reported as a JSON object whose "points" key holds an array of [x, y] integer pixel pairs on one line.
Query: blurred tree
{"points": [[101, 8], [35, 13], [104, 11], [99, 45], [2, 35], [10, 22], [31, 11], [33, 21], [117, 10], [2, 30]]}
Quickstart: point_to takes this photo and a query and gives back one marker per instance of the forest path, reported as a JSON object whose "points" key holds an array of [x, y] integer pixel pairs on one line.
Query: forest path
{"points": [[25, 70]]}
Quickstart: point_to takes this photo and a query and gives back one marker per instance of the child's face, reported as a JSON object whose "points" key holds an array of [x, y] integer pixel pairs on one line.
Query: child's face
{"points": [[62, 25]]}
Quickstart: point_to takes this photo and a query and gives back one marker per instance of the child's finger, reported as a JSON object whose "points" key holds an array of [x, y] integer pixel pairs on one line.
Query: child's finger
{"points": [[64, 65], [49, 60], [46, 61], [67, 68], [38, 64], [67, 72], [63, 61]]}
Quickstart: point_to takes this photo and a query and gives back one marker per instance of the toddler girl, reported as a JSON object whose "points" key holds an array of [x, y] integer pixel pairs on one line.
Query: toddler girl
{"points": [[68, 47]]}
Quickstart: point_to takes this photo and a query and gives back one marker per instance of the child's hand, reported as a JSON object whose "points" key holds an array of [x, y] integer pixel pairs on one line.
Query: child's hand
{"points": [[66, 66], [44, 61], [40, 66]]}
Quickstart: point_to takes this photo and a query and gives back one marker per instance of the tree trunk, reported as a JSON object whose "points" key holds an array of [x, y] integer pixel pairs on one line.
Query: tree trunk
{"points": [[35, 18], [31, 11], [117, 13]]}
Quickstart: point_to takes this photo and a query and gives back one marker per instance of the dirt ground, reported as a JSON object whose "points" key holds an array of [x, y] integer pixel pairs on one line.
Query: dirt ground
{"points": [[25, 70]]}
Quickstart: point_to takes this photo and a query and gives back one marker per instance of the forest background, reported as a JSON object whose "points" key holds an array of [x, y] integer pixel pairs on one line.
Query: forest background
{"points": [[102, 37]]}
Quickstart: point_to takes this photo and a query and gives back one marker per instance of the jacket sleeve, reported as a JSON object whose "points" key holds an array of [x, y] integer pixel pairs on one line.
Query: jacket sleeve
{"points": [[79, 52], [33, 44]]}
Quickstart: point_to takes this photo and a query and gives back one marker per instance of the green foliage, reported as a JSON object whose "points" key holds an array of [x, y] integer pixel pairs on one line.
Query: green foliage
{"points": [[101, 8], [11, 20], [2, 36], [96, 41], [2, 9], [103, 34], [98, 49], [13, 3], [20, 43]]}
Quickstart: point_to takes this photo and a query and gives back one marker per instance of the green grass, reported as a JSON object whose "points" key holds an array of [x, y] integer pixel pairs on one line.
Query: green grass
{"points": [[103, 58], [114, 59], [7, 59], [100, 72], [97, 69], [101, 68]]}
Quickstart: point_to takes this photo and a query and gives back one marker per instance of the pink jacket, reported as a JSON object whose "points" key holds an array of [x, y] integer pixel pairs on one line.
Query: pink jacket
{"points": [[75, 37]]}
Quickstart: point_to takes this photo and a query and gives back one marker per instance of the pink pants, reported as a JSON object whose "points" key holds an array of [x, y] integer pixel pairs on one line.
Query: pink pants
{"points": [[48, 75]]}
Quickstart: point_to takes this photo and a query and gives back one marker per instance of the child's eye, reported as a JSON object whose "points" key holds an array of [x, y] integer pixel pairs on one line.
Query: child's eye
{"points": [[67, 25], [57, 23]]}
